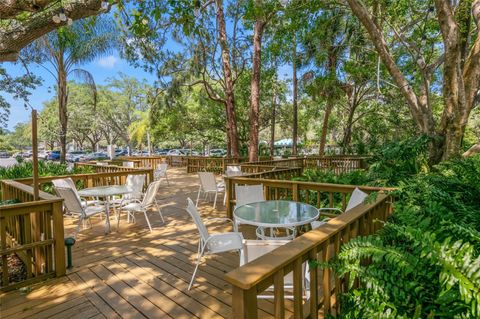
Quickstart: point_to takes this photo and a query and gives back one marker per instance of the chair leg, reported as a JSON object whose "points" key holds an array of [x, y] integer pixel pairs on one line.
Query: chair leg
{"points": [[198, 196], [224, 198], [199, 258], [166, 177], [215, 200], [148, 220], [159, 212]]}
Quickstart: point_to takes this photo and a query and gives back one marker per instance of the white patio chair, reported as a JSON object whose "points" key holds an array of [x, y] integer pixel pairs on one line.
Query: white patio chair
{"points": [[128, 164], [73, 205], [69, 183], [161, 172], [233, 170], [254, 193], [136, 182], [136, 205], [209, 185], [212, 243], [356, 199], [253, 249]]}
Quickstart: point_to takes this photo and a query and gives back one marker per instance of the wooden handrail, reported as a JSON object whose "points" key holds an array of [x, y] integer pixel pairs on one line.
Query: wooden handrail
{"points": [[323, 243]]}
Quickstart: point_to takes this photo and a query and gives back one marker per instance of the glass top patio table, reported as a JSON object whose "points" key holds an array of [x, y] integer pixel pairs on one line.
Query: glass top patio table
{"points": [[275, 213], [106, 192]]}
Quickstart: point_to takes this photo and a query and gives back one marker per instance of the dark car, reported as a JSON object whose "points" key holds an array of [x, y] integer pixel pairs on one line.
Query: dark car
{"points": [[54, 156]]}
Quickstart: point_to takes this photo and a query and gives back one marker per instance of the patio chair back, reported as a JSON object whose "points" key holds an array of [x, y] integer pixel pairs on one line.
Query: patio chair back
{"points": [[233, 170], [66, 183], [249, 194], [136, 182], [207, 181], [150, 194], [128, 164], [192, 210], [356, 199], [70, 200]]}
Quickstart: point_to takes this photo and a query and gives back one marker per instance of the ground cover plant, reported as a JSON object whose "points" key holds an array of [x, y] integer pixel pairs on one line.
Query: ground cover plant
{"points": [[425, 262]]}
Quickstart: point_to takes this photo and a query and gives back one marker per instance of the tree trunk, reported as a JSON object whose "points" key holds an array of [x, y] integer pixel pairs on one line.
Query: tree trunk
{"points": [[272, 128], [62, 107], [255, 90], [295, 97], [323, 136], [229, 91]]}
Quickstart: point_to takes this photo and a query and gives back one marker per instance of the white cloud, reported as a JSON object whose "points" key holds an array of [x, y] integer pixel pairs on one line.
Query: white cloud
{"points": [[108, 62]]}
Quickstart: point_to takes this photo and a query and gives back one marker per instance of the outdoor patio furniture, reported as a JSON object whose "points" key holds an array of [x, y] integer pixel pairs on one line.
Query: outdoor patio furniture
{"points": [[136, 205], [73, 205], [128, 164], [69, 183], [212, 243], [209, 185], [275, 214], [253, 249], [356, 199], [233, 170], [161, 172], [247, 194], [136, 182]]}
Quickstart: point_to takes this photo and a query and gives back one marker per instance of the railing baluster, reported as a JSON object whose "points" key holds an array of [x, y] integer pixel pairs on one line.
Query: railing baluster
{"points": [[279, 294], [298, 288]]}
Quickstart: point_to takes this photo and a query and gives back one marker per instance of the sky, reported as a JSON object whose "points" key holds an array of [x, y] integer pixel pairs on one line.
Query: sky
{"points": [[101, 69]]}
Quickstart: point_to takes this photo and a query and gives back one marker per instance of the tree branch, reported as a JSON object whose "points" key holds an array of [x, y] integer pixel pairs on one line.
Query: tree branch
{"points": [[19, 34]]}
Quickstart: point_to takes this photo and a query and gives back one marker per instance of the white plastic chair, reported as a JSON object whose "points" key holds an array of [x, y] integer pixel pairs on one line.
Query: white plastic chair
{"points": [[73, 205], [356, 199], [209, 185], [161, 172], [69, 183], [128, 164], [254, 193], [136, 182], [253, 249], [233, 170], [136, 205], [212, 243]]}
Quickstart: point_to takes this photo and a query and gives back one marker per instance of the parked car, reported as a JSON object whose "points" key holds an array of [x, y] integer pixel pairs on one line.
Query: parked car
{"points": [[176, 152], [96, 156], [4, 154], [162, 151], [54, 156], [43, 155], [120, 152], [218, 152], [75, 156]]}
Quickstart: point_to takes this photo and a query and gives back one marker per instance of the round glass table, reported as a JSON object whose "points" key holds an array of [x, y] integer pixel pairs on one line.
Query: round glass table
{"points": [[106, 192], [275, 213]]}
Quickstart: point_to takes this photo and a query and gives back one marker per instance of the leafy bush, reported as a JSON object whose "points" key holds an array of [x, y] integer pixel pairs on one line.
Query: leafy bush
{"points": [[25, 169], [425, 262]]}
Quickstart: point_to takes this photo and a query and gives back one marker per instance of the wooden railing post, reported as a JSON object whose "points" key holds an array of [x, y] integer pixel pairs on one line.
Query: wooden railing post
{"points": [[58, 236], [244, 303]]}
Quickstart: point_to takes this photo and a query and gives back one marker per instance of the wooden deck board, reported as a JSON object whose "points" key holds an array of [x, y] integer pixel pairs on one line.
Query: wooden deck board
{"points": [[132, 273]]}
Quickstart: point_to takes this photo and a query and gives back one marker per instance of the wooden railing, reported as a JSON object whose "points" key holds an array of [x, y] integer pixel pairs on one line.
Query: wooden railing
{"points": [[107, 175], [336, 164], [32, 230], [321, 244], [153, 161]]}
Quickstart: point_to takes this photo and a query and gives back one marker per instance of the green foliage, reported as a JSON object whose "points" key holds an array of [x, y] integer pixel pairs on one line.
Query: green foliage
{"points": [[425, 262], [25, 170]]}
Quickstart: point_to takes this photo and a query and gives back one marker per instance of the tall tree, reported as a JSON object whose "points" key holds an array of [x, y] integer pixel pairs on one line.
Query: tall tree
{"points": [[459, 25], [63, 51]]}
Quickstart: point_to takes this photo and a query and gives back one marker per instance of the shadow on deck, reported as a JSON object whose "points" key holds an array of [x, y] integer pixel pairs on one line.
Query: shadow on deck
{"points": [[132, 273]]}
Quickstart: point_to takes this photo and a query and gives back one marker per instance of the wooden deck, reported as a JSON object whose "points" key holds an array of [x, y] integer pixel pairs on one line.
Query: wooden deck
{"points": [[132, 273]]}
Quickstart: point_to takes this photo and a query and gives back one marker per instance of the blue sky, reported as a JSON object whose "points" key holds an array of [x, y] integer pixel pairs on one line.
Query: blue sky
{"points": [[102, 69]]}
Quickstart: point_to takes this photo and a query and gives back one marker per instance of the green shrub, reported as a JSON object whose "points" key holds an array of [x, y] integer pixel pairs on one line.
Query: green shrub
{"points": [[425, 262], [24, 169]]}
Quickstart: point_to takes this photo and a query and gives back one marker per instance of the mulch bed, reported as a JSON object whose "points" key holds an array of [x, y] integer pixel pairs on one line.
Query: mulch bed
{"points": [[16, 269]]}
